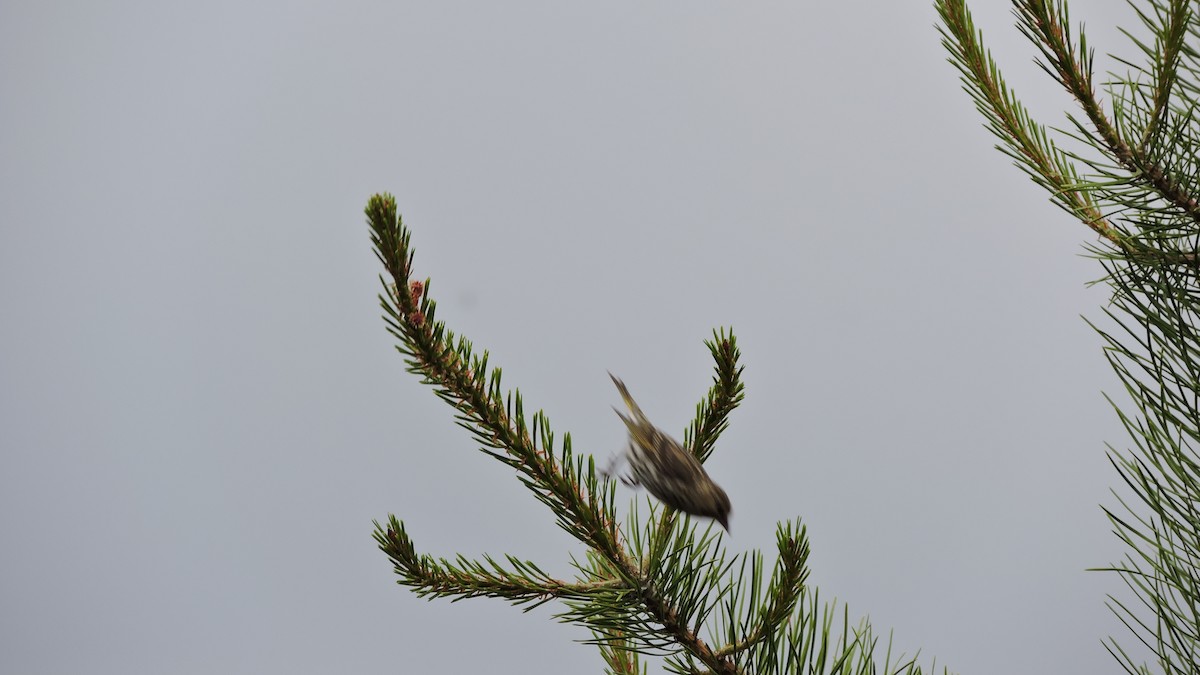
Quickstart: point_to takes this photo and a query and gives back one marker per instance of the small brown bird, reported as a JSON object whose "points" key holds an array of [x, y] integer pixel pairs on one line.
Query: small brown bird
{"points": [[667, 470]]}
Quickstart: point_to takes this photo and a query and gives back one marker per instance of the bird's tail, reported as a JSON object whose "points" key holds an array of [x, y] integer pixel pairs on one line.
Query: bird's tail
{"points": [[639, 416]]}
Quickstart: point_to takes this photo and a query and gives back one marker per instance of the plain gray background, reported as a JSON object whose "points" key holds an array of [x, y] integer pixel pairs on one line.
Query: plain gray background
{"points": [[201, 412]]}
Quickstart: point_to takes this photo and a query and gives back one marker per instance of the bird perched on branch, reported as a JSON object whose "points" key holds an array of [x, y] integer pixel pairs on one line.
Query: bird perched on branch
{"points": [[666, 469]]}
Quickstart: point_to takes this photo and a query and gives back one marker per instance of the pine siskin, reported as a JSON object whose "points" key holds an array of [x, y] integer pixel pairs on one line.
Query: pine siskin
{"points": [[667, 470]]}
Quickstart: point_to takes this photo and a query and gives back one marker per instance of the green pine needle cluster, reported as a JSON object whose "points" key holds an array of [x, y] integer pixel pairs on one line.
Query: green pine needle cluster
{"points": [[1134, 180], [661, 585]]}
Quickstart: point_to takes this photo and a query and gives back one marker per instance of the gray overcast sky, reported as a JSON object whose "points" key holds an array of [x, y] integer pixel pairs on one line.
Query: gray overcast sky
{"points": [[201, 412]]}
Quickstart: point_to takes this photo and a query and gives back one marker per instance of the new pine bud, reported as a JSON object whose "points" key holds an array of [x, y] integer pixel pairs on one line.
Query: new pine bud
{"points": [[667, 470]]}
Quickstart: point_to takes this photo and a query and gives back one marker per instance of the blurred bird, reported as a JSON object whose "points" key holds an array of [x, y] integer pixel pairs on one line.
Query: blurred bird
{"points": [[667, 470]]}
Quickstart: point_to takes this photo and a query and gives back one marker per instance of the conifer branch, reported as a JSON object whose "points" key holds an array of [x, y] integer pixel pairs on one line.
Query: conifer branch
{"points": [[568, 486], [654, 592], [498, 423], [786, 587], [1025, 141], [1140, 196], [524, 584], [726, 394], [1047, 26], [1028, 142]]}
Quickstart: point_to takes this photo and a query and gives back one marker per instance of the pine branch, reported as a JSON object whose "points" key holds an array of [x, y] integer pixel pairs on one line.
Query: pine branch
{"points": [[1022, 139], [786, 587], [568, 486], [1047, 26], [1141, 196], [524, 584], [727, 392], [653, 592], [1029, 144]]}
